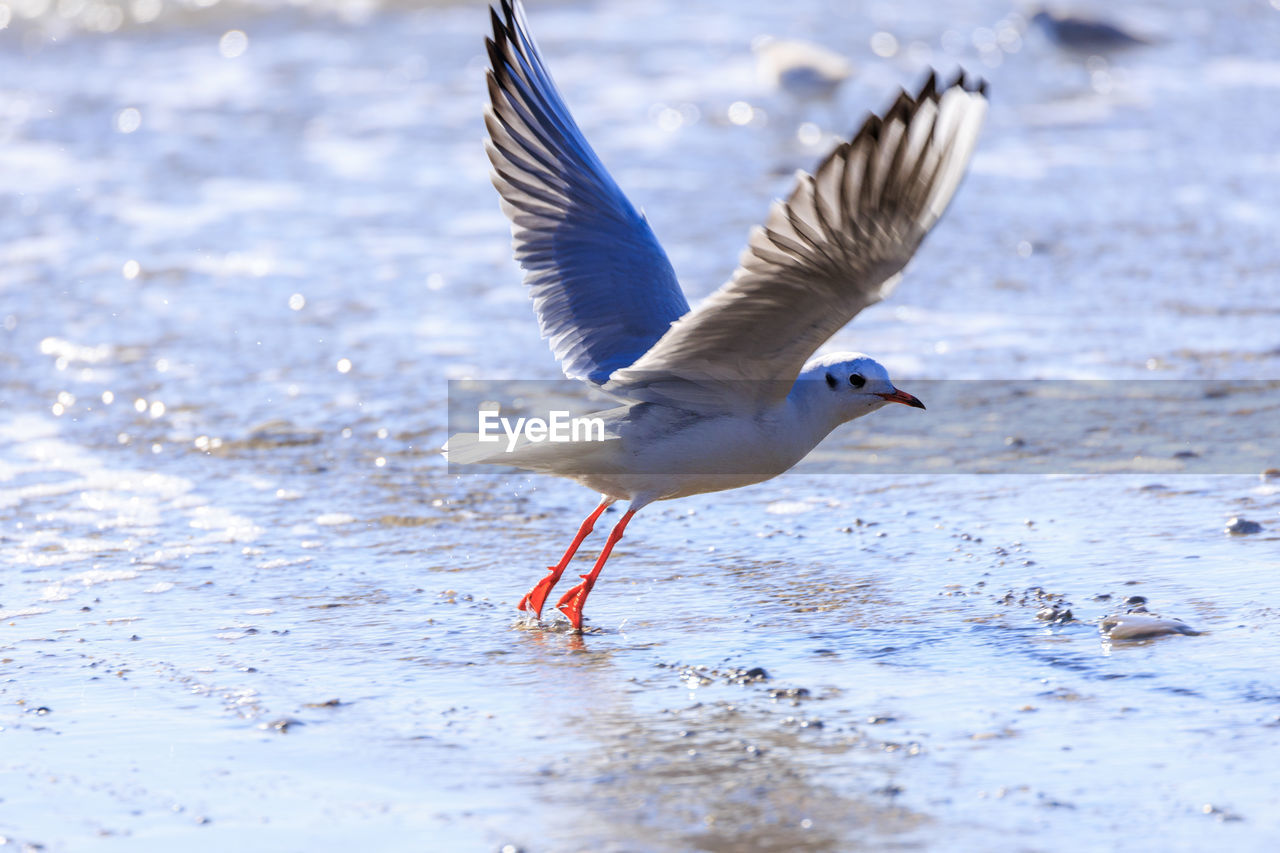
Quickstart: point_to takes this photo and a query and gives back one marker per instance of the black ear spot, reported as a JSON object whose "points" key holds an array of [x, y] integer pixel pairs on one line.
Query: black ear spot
{"points": [[831, 381], [857, 380]]}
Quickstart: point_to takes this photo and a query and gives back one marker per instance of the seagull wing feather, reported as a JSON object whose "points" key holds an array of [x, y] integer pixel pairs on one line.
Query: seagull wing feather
{"points": [[835, 246], [602, 287]]}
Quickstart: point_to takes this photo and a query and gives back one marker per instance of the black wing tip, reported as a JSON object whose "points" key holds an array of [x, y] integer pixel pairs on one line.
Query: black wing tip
{"points": [[971, 83], [511, 14], [500, 33], [905, 104], [506, 27], [961, 79], [929, 87], [498, 75], [503, 50], [509, 43], [870, 130], [840, 152]]}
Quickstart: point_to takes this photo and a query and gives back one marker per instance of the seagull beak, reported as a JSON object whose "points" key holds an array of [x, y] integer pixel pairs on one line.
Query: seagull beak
{"points": [[904, 398]]}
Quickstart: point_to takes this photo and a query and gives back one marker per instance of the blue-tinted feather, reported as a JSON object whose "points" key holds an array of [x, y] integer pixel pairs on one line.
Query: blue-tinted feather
{"points": [[602, 287]]}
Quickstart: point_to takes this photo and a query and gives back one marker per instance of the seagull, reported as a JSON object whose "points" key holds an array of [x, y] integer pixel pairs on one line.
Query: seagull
{"points": [[804, 70], [726, 395], [1083, 35]]}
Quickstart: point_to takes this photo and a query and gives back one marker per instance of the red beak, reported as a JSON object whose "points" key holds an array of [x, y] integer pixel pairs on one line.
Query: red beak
{"points": [[904, 398]]}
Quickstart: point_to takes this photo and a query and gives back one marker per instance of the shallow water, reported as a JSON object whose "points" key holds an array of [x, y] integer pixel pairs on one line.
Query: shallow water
{"points": [[236, 275]]}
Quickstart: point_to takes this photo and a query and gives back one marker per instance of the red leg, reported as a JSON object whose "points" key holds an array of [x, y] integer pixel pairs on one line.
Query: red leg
{"points": [[536, 597], [571, 602]]}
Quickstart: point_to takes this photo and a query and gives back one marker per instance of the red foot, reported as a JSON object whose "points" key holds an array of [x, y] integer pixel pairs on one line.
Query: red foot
{"points": [[535, 598], [570, 604]]}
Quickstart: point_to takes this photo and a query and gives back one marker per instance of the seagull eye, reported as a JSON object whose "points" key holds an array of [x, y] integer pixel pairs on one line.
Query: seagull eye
{"points": [[857, 380], [831, 381]]}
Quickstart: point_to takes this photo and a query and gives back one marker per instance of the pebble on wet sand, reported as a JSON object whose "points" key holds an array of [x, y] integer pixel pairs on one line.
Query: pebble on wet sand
{"points": [[1220, 813], [1139, 626], [1057, 615], [281, 725], [1243, 527]]}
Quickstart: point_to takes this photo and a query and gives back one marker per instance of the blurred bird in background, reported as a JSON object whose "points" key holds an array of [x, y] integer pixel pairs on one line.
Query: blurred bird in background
{"points": [[803, 70], [808, 75], [1085, 36]]}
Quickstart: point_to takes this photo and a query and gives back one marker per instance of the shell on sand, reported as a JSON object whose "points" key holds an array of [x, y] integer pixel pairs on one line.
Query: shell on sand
{"points": [[1138, 626]]}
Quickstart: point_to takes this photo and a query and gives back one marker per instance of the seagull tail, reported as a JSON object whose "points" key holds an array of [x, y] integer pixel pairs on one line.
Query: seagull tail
{"points": [[467, 448], [561, 458]]}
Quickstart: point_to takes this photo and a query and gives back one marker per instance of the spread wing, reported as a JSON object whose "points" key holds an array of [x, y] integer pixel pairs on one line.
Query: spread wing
{"points": [[602, 287], [835, 246]]}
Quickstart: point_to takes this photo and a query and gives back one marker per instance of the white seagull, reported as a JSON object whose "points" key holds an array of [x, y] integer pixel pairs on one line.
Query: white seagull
{"points": [[722, 396], [802, 69]]}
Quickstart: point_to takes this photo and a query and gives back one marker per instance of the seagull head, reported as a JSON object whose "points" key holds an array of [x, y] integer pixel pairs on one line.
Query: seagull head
{"points": [[850, 385]]}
